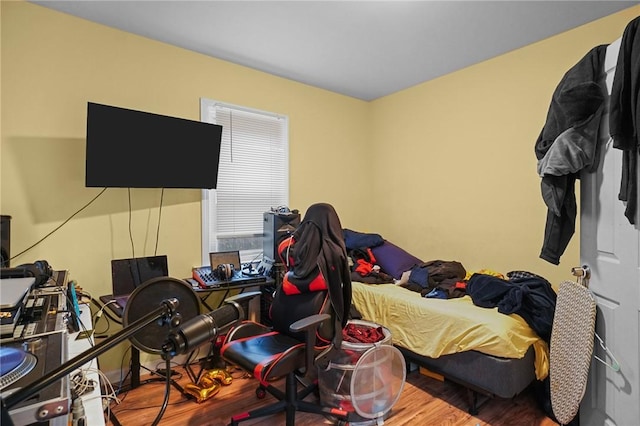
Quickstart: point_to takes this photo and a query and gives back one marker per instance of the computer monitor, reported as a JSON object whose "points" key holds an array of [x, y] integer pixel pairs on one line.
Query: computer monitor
{"points": [[224, 257], [128, 274]]}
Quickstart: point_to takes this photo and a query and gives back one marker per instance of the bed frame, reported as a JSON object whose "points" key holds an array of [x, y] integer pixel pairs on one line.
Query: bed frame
{"points": [[484, 376]]}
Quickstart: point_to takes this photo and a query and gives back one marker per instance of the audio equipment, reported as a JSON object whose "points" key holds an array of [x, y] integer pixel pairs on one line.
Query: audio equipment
{"points": [[202, 329], [142, 324], [277, 227], [36, 311], [73, 307], [225, 270], [40, 270], [23, 362], [5, 240], [264, 268], [204, 277], [13, 296], [211, 278]]}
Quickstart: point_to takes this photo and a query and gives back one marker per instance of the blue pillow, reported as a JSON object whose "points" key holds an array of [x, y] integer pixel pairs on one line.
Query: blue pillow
{"points": [[393, 260], [359, 240]]}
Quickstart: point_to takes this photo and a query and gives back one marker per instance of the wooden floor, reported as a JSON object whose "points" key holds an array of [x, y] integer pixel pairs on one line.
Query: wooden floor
{"points": [[424, 401]]}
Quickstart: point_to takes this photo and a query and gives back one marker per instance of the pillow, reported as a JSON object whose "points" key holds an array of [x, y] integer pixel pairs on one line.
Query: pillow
{"points": [[359, 240], [393, 260]]}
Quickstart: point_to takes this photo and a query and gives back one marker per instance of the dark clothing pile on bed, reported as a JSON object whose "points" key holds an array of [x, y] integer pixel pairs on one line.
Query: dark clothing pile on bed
{"points": [[529, 296], [440, 279], [364, 268]]}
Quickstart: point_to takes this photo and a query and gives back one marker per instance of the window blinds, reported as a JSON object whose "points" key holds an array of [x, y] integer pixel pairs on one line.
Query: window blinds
{"points": [[253, 176]]}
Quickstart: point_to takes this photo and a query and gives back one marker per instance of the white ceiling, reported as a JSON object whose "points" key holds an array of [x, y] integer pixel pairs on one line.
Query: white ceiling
{"points": [[363, 49]]}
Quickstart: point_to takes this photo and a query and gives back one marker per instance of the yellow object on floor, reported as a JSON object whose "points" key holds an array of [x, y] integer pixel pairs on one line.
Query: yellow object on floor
{"points": [[219, 374], [209, 384], [429, 373]]}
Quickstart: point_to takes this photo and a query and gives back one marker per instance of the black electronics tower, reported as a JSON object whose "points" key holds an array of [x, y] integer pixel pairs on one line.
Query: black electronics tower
{"points": [[277, 227], [5, 238]]}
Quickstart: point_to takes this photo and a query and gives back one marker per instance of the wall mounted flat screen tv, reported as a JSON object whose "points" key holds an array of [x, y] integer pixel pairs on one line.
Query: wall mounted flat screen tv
{"points": [[135, 149]]}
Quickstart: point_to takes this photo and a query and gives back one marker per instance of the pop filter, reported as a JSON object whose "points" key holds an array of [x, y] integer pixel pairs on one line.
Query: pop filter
{"points": [[146, 297]]}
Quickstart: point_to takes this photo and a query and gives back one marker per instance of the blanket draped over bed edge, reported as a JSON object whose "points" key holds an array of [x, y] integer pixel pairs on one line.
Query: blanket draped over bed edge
{"points": [[436, 327]]}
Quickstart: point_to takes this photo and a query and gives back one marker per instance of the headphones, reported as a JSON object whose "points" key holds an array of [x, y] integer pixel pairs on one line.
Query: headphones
{"points": [[40, 270], [223, 272]]}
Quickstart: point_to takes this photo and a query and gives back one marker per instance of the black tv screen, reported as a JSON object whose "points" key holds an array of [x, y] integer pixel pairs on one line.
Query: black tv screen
{"points": [[136, 149]]}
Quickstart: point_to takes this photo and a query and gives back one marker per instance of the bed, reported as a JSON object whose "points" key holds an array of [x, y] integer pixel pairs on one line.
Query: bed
{"points": [[489, 353]]}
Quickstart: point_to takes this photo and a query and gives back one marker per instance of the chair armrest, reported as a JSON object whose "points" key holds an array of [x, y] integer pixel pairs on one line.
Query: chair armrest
{"points": [[239, 298], [309, 325], [308, 322]]}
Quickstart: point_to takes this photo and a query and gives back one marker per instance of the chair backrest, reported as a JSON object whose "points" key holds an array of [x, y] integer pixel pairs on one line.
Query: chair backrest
{"points": [[318, 277], [290, 306]]}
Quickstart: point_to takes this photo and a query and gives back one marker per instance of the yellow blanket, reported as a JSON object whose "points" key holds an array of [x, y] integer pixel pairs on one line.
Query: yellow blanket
{"points": [[435, 327]]}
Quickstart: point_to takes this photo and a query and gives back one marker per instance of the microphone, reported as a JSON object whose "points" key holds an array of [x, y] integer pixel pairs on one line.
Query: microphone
{"points": [[201, 329]]}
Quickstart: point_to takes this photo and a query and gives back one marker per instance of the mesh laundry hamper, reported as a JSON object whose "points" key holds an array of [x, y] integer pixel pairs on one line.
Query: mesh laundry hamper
{"points": [[365, 379]]}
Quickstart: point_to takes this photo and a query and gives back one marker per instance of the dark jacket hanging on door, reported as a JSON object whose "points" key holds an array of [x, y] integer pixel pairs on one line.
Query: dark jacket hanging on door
{"points": [[624, 117], [568, 144]]}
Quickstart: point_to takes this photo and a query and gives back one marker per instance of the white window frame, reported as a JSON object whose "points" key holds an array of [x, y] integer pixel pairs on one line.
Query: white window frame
{"points": [[209, 197]]}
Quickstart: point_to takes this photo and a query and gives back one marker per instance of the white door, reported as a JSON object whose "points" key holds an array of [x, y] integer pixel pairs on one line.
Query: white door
{"points": [[610, 246]]}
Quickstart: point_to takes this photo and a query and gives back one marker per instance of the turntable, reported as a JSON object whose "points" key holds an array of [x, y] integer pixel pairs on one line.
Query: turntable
{"points": [[15, 364], [21, 363]]}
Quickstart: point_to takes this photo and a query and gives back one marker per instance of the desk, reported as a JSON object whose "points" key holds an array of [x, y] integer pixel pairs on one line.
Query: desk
{"points": [[92, 401], [202, 293]]}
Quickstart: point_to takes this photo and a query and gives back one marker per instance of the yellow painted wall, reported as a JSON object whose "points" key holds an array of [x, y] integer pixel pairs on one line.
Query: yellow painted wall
{"points": [[460, 179]]}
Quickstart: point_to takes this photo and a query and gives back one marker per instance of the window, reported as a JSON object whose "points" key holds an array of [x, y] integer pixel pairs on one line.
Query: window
{"points": [[253, 178]]}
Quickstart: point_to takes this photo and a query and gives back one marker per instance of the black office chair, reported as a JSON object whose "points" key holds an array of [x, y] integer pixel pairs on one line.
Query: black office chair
{"points": [[308, 312]]}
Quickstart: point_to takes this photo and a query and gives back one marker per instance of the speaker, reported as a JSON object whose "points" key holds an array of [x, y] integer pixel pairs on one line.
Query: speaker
{"points": [[5, 239], [277, 227]]}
